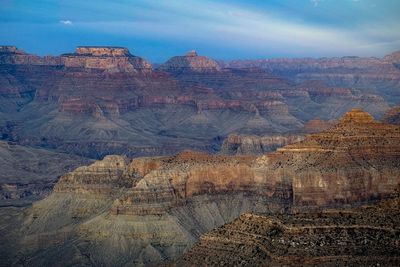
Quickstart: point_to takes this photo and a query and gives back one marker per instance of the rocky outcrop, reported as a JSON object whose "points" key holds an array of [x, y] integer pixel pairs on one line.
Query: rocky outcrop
{"points": [[155, 207], [392, 116], [111, 59], [364, 236], [190, 62], [248, 144], [357, 159]]}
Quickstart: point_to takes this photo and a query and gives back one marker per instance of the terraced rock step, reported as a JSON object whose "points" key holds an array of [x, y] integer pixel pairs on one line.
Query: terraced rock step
{"points": [[365, 236]]}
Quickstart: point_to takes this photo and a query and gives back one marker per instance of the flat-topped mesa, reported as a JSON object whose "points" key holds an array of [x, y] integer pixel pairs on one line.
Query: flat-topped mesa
{"points": [[191, 62], [102, 51], [110, 59]]}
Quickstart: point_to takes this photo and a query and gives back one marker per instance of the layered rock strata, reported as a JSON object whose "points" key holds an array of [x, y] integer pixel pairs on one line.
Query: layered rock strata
{"points": [[236, 144], [364, 236], [378, 74], [112, 59], [103, 100], [357, 159], [247, 144], [158, 207]]}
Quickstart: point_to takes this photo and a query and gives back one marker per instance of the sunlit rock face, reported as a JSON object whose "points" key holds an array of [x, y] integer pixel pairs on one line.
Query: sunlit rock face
{"points": [[112, 59]]}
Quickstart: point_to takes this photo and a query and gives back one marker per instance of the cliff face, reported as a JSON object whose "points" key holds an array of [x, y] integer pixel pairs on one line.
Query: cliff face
{"points": [[155, 207], [110, 59], [357, 159], [248, 144], [158, 207], [376, 73], [190, 62], [236, 144], [355, 237], [103, 100]]}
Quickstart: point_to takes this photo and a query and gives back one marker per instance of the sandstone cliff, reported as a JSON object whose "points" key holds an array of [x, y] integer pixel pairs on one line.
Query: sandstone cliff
{"points": [[111, 59]]}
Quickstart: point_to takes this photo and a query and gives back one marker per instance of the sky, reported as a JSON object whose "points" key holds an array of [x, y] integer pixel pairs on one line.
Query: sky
{"points": [[225, 30]]}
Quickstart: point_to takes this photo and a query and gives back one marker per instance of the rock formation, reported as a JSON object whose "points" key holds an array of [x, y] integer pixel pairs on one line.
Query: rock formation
{"points": [[365, 236], [357, 159], [247, 144], [148, 210], [379, 74], [190, 62], [236, 144], [103, 100], [111, 59]]}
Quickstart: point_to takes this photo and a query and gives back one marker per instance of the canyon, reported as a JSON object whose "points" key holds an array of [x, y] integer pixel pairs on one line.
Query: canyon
{"points": [[108, 160], [104, 100], [149, 210]]}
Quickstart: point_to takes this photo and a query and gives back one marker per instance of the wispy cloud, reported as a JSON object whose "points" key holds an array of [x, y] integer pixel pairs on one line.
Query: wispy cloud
{"points": [[66, 22], [234, 26], [224, 28]]}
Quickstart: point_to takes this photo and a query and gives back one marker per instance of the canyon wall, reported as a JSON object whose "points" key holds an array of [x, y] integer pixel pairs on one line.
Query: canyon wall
{"points": [[148, 210]]}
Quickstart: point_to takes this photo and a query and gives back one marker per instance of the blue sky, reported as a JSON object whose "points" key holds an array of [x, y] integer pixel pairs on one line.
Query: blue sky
{"points": [[221, 29]]}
